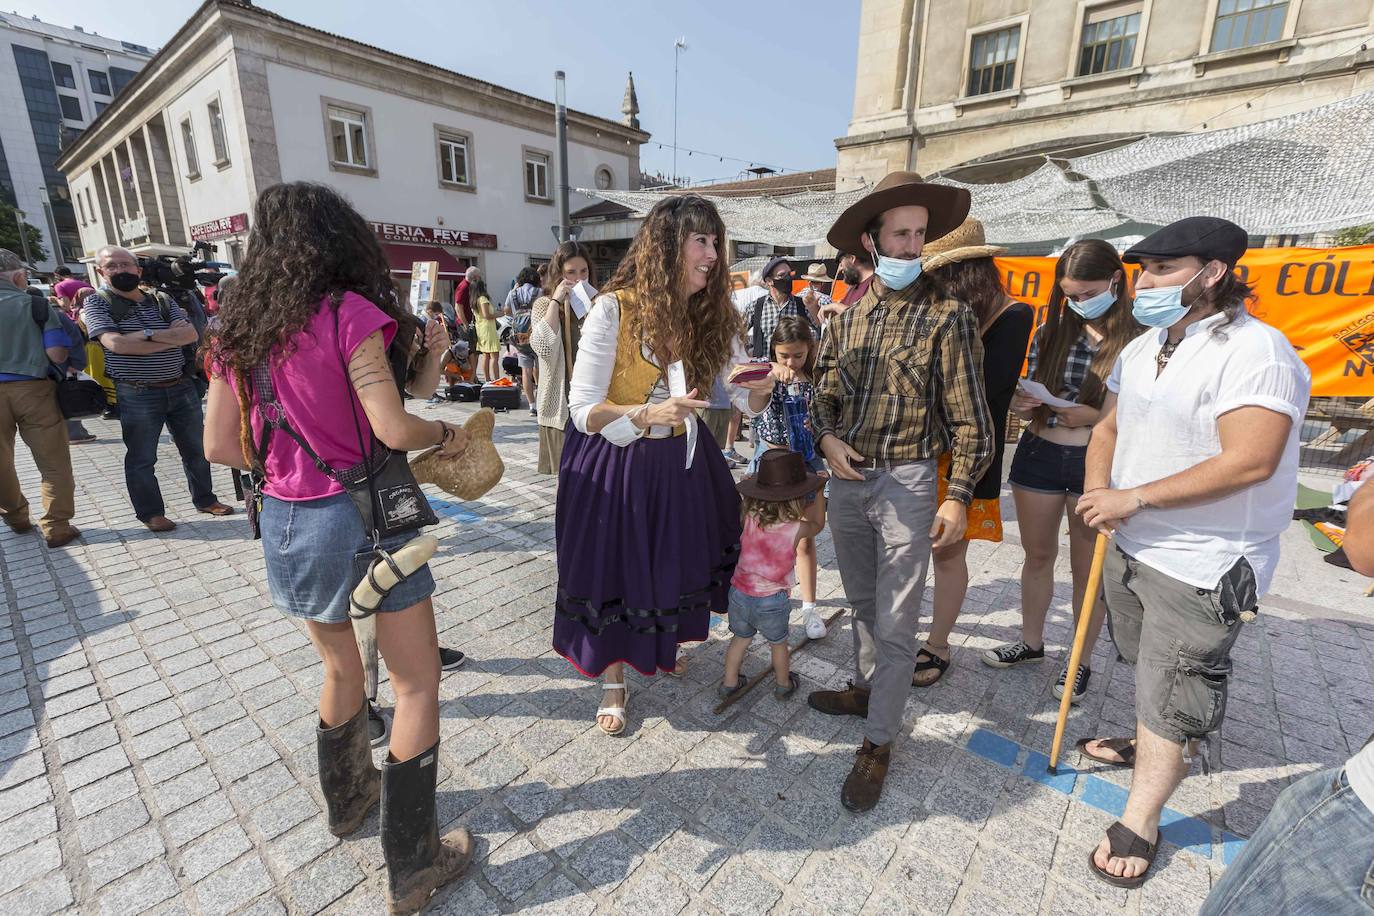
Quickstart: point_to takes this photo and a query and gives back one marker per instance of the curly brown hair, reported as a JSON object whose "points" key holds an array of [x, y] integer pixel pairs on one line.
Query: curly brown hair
{"points": [[699, 329], [306, 243]]}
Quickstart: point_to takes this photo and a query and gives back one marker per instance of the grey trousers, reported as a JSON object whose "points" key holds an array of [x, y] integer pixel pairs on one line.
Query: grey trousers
{"points": [[881, 529]]}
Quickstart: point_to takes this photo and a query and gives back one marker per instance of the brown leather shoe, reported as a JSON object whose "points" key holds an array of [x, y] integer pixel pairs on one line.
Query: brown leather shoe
{"points": [[851, 701], [217, 509], [864, 785], [19, 527], [62, 536], [160, 523]]}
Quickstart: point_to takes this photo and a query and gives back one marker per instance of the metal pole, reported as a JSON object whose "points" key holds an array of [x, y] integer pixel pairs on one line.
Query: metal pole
{"points": [[23, 236], [561, 132], [52, 226], [678, 47]]}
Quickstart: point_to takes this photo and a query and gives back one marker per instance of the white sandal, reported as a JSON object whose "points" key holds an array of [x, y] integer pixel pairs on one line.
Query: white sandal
{"points": [[615, 712]]}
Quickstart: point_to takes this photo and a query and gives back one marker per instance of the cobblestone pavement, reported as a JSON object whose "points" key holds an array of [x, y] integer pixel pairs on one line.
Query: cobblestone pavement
{"points": [[157, 740]]}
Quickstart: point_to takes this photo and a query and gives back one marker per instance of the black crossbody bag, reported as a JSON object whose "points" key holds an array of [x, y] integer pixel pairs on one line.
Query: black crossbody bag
{"points": [[382, 486]]}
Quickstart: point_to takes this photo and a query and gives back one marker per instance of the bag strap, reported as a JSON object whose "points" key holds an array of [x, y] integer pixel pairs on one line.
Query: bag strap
{"points": [[274, 417], [335, 300]]}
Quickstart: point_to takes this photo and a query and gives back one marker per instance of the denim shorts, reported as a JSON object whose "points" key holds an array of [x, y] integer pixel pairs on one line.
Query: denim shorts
{"points": [[1042, 466], [750, 615], [312, 549]]}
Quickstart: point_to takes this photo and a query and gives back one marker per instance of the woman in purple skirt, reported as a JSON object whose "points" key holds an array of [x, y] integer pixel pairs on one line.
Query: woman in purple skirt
{"points": [[648, 519]]}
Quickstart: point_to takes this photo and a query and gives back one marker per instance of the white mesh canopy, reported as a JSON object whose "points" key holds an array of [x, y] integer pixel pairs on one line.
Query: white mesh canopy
{"points": [[1301, 173]]}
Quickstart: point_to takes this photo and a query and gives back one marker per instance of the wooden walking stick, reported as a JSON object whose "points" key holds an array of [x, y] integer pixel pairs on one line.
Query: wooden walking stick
{"points": [[1080, 636]]}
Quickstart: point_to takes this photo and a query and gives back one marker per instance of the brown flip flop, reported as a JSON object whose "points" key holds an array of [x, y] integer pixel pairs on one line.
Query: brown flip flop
{"points": [[1122, 747], [1123, 843]]}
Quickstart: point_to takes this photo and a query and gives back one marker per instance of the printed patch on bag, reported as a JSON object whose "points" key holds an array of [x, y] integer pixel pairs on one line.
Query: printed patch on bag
{"points": [[399, 504]]}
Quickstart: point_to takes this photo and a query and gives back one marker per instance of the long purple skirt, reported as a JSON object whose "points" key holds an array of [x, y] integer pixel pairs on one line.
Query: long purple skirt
{"points": [[646, 549]]}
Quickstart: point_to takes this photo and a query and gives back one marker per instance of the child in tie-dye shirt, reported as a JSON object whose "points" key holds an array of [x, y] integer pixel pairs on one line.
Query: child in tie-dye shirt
{"points": [[777, 515]]}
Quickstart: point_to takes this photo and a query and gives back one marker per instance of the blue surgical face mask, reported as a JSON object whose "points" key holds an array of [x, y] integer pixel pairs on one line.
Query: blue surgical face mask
{"points": [[1162, 306], [896, 273], [1095, 306]]}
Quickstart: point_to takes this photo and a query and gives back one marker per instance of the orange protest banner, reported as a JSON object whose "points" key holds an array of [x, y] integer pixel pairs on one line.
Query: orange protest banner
{"points": [[1322, 299]]}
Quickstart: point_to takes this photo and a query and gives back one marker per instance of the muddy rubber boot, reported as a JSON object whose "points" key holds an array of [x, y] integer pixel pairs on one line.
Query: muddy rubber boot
{"points": [[418, 861], [351, 783]]}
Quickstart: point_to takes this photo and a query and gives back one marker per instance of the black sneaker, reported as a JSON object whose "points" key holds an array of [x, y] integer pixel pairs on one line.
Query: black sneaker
{"points": [[1080, 684], [376, 724], [1013, 654], [451, 659]]}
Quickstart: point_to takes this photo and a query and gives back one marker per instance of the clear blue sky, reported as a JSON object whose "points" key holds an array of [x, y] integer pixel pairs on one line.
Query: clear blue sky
{"points": [[768, 82]]}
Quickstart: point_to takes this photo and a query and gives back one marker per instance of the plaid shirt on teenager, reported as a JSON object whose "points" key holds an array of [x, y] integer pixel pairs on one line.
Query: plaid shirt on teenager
{"points": [[1076, 366], [902, 380]]}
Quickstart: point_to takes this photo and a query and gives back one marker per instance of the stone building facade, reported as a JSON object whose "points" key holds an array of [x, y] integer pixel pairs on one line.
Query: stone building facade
{"points": [[447, 167], [948, 83]]}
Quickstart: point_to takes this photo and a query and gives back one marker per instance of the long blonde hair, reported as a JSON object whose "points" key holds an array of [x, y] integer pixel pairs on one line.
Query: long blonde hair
{"points": [[699, 329]]}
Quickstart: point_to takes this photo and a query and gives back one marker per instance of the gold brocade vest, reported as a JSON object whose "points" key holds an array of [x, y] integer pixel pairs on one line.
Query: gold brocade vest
{"points": [[634, 377]]}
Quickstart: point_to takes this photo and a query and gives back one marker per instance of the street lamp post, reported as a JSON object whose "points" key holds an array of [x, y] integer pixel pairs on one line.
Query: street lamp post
{"points": [[560, 100], [19, 217], [678, 47]]}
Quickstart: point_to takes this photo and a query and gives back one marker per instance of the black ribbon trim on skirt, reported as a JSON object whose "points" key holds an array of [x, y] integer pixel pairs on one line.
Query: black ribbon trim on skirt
{"points": [[646, 621]]}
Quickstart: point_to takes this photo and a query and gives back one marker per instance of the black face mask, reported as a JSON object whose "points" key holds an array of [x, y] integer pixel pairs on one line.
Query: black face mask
{"points": [[125, 282], [783, 285]]}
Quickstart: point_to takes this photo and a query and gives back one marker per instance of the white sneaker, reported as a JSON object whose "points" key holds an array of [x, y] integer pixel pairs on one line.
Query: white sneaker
{"points": [[815, 627]]}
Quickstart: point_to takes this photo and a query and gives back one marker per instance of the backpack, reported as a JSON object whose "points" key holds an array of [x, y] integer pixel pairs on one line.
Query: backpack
{"points": [[520, 332], [76, 349], [191, 367]]}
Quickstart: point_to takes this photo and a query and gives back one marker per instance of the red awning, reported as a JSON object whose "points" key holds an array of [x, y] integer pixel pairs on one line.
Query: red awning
{"points": [[401, 257]]}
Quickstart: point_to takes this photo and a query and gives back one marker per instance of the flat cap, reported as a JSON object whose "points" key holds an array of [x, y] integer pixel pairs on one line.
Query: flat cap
{"points": [[1207, 237]]}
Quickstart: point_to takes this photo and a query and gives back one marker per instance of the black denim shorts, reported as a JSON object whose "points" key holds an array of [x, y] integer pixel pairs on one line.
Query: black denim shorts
{"points": [[1042, 466]]}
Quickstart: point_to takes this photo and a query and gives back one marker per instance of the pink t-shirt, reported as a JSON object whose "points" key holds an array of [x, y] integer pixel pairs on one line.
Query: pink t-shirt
{"points": [[767, 559], [316, 394]]}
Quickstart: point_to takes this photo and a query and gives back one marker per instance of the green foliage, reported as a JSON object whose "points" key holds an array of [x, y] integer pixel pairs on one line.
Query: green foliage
{"points": [[9, 236], [1355, 235]]}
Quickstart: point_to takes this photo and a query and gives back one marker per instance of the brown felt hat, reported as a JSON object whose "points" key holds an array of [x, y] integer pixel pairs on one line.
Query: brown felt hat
{"points": [[947, 204], [782, 476]]}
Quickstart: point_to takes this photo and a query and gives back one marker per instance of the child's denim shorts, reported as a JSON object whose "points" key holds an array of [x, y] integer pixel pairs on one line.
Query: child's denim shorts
{"points": [[750, 615], [312, 546]]}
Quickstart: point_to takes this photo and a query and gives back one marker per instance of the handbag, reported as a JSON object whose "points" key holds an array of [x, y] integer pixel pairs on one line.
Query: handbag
{"points": [[471, 474], [382, 487], [79, 398]]}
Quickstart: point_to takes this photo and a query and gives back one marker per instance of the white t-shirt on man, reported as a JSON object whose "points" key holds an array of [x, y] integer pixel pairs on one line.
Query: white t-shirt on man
{"points": [[1168, 424]]}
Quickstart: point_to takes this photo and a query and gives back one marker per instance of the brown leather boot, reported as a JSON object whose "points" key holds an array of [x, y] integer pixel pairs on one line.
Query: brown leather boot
{"points": [[864, 784], [851, 701], [61, 535]]}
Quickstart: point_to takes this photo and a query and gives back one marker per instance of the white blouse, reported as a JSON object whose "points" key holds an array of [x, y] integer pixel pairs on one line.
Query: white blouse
{"points": [[596, 361]]}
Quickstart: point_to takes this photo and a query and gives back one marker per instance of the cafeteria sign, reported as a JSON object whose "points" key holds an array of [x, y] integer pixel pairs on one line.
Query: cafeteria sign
{"points": [[425, 235], [220, 228]]}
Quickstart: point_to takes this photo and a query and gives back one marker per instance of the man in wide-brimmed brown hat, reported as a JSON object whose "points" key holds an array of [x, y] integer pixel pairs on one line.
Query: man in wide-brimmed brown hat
{"points": [[898, 383]]}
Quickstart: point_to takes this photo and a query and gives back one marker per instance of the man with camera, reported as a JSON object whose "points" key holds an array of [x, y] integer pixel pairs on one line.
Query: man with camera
{"points": [[28, 405], [143, 335]]}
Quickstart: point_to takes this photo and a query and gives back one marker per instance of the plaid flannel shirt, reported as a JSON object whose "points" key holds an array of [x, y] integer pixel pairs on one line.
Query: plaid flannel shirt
{"points": [[1076, 366], [902, 380]]}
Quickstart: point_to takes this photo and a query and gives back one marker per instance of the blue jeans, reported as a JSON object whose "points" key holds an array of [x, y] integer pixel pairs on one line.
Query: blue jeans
{"points": [[1314, 854], [750, 615], [142, 414]]}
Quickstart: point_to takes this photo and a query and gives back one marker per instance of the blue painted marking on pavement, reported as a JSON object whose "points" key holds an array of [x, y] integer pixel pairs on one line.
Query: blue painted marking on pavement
{"points": [[1001, 751], [1188, 833], [1104, 796], [462, 515], [1231, 847], [1185, 832], [1037, 768]]}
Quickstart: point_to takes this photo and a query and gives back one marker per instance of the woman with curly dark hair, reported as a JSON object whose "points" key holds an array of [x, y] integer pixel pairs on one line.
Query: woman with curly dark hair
{"points": [[648, 520], [304, 333]]}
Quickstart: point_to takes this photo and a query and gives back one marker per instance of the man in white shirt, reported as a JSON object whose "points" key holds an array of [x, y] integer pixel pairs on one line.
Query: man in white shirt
{"points": [[1193, 469], [1314, 853]]}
